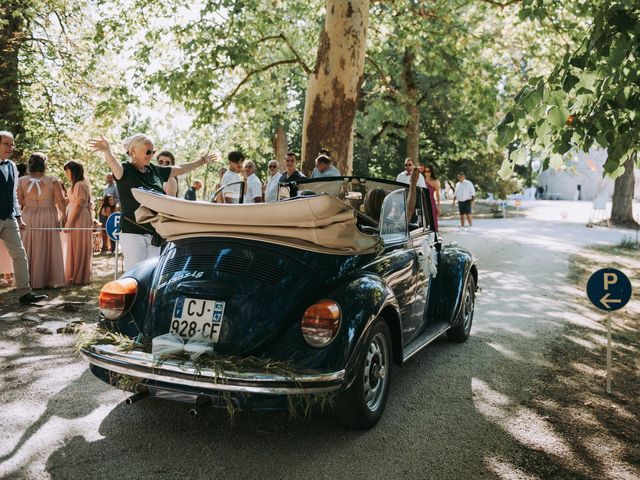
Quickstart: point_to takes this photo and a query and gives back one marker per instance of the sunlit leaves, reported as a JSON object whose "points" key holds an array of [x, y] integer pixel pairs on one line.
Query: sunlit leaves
{"points": [[594, 92]]}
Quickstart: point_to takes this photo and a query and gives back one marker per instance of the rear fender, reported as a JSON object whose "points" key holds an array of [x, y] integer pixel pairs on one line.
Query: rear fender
{"points": [[455, 264], [362, 301], [132, 322]]}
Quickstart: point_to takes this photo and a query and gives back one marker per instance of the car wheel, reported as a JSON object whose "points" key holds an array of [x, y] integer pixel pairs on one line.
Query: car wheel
{"points": [[362, 404], [461, 331]]}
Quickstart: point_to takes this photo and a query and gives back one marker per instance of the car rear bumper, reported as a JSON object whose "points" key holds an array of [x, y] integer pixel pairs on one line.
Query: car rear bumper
{"points": [[183, 373]]}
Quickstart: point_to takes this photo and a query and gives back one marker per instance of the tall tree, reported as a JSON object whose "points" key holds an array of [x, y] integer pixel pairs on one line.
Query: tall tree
{"points": [[334, 84], [13, 34]]}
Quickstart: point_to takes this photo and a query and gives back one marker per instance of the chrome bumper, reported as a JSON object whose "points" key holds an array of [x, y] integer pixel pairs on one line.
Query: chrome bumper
{"points": [[183, 373]]}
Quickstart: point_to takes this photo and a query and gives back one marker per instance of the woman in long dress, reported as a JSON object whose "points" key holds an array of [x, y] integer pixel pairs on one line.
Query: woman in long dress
{"points": [[79, 215], [43, 205], [433, 184]]}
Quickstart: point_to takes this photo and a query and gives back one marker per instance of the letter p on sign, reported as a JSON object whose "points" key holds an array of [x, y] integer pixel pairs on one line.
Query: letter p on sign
{"points": [[610, 278]]}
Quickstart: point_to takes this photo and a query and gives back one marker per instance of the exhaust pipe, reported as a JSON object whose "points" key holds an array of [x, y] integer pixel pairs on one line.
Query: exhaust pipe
{"points": [[198, 406], [137, 396]]}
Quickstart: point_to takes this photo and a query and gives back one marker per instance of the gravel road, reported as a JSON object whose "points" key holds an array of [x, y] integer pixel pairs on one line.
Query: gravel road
{"points": [[454, 412]]}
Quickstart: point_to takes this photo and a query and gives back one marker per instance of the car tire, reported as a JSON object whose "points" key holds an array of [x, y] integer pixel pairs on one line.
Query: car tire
{"points": [[460, 333], [362, 404]]}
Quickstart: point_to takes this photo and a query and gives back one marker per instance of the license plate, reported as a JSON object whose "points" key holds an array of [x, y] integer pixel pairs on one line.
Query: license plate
{"points": [[195, 315]]}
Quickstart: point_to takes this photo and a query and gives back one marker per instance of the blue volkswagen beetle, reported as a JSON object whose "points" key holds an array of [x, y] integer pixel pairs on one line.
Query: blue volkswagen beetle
{"points": [[317, 294]]}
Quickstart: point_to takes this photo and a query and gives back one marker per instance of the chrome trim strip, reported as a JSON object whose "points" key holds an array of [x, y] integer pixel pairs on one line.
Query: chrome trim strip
{"points": [[143, 365]]}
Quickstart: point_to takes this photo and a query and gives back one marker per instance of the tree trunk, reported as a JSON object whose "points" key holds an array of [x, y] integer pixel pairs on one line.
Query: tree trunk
{"points": [[622, 208], [412, 128], [279, 142], [12, 35], [333, 87]]}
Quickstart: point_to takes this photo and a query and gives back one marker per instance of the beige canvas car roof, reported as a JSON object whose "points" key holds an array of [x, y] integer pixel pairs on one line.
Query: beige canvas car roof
{"points": [[320, 223]]}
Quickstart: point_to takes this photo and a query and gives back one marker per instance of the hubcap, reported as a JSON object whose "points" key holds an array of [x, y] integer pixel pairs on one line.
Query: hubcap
{"points": [[375, 368]]}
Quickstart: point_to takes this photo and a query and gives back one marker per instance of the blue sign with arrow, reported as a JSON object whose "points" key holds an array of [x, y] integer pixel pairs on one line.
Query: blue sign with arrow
{"points": [[113, 226], [609, 289]]}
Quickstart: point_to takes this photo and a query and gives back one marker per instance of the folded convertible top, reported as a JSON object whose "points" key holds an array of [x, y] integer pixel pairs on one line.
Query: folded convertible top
{"points": [[319, 223]]}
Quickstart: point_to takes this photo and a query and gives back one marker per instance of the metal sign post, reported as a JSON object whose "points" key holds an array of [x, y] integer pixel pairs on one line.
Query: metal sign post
{"points": [[609, 289], [112, 227], [609, 352], [116, 249]]}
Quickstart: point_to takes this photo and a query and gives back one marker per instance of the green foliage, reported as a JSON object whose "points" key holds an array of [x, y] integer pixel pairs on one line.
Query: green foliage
{"points": [[591, 97]]}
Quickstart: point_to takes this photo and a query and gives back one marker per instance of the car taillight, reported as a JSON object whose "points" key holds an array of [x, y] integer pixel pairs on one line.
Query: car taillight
{"points": [[117, 297], [320, 323]]}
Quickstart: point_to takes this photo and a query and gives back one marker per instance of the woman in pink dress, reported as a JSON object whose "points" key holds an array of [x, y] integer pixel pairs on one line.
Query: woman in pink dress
{"points": [[77, 267], [42, 204]]}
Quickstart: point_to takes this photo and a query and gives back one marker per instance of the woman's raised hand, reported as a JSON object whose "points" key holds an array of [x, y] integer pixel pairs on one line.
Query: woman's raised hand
{"points": [[99, 144]]}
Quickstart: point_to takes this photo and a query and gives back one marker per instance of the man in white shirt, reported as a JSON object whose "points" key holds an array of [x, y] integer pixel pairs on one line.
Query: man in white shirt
{"points": [[11, 220], [405, 177], [465, 193], [231, 193], [253, 187], [271, 193]]}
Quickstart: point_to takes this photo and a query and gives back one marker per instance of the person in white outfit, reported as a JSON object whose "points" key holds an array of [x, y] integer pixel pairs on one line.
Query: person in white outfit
{"points": [[231, 180], [271, 192], [405, 176], [465, 194], [253, 189]]}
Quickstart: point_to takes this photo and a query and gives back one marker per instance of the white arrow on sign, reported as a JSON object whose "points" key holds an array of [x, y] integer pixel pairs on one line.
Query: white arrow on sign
{"points": [[606, 300]]}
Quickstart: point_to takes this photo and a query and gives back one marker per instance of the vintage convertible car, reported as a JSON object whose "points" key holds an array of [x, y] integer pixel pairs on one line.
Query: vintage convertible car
{"points": [[313, 296]]}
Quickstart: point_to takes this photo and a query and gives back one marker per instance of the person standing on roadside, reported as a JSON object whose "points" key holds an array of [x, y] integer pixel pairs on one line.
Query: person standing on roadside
{"points": [[291, 174], [79, 246], [110, 188], [231, 180], [136, 240], [191, 193], [43, 205], [271, 190], [11, 221], [433, 185], [465, 193], [253, 188], [324, 168], [405, 176], [166, 159]]}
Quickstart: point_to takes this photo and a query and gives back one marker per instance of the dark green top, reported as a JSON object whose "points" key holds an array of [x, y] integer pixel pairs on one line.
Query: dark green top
{"points": [[152, 178]]}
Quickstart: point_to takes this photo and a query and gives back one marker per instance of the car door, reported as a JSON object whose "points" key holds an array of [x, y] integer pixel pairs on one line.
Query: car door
{"points": [[402, 270]]}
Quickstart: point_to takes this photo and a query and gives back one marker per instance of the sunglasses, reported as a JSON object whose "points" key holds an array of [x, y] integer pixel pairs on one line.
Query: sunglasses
{"points": [[150, 152], [273, 166]]}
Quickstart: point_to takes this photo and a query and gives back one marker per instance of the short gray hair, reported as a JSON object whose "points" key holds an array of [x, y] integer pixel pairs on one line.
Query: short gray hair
{"points": [[136, 140], [6, 133], [249, 163], [273, 162]]}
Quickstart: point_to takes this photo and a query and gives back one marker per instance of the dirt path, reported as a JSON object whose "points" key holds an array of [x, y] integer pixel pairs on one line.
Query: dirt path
{"points": [[499, 406]]}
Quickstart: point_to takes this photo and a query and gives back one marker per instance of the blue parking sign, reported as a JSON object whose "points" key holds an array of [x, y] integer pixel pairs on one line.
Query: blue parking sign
{"points": [[113, 226], [609, 289]]}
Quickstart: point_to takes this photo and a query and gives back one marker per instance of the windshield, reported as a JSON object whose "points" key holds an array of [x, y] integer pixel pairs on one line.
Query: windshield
{"points": [[365, 195]]}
